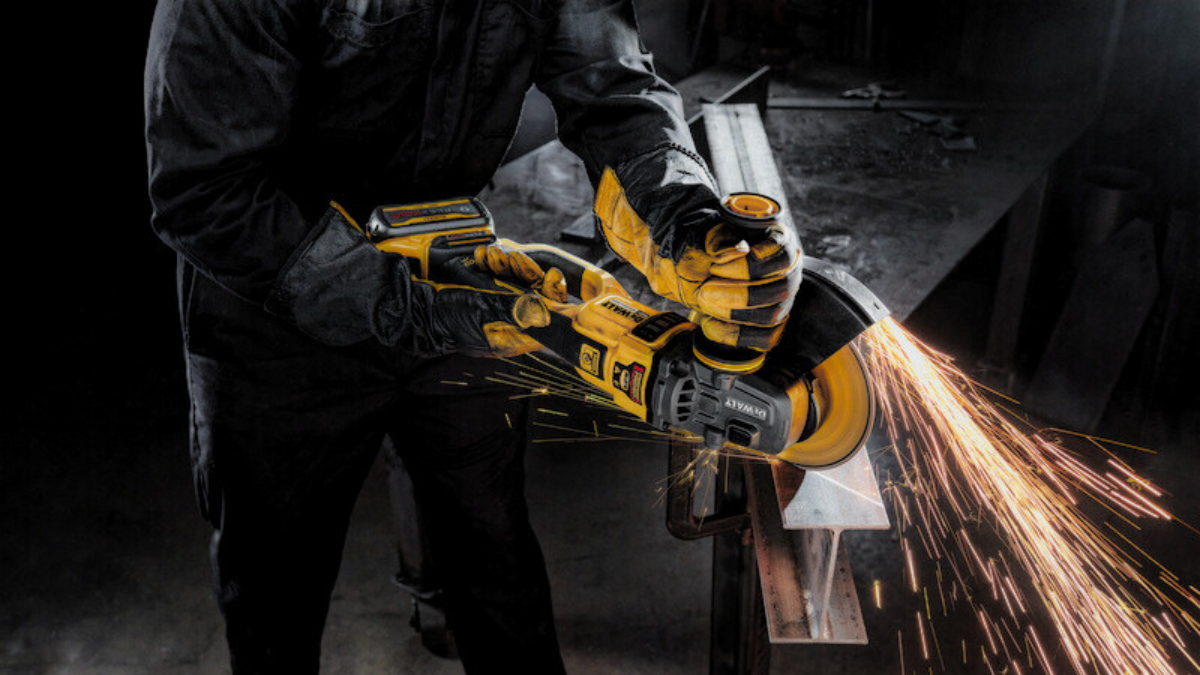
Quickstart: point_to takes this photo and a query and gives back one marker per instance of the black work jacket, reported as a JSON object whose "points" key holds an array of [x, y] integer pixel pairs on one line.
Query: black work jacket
{"points": [[260, 112]]}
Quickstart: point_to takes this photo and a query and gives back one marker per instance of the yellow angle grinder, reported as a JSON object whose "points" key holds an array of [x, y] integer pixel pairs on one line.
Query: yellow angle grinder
{"points": [[808, 402]]}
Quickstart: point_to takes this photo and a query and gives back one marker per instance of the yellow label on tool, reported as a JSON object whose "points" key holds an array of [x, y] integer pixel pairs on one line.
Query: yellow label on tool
{"points": [[589, 360]]}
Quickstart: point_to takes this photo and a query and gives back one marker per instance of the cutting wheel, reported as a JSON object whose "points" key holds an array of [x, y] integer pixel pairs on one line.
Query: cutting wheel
{"points": [[845, 404]]}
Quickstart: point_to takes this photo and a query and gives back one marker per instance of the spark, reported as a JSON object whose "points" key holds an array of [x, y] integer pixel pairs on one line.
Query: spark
{"points": [[534, 376], [936, 644], [941, 593], [924, 643], [539, 391], [912, 573], [986, 660], [1136, 479], [968, 465]]}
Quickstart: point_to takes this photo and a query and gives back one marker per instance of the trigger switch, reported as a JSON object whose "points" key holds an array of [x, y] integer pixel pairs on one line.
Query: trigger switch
{"points": [[742, 434]]}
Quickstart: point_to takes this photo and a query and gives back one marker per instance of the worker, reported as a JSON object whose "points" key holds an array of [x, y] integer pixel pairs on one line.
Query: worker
{"points": [[272, 126]]}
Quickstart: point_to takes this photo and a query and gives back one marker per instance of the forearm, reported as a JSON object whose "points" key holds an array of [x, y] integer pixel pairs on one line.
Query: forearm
{"points": [[220, 86], [615, 112]]}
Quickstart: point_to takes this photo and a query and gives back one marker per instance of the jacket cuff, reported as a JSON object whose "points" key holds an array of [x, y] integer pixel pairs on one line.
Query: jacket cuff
{"points": [[339, 289], [672, 190]]}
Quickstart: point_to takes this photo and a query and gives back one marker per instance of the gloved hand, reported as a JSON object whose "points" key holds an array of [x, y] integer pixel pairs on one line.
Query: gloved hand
{"points": [[740, 287], [341, 290], [473, 321], [519, 267]]}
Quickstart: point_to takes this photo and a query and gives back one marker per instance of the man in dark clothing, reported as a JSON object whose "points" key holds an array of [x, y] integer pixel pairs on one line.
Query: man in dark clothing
{"points": [[271, 122]]}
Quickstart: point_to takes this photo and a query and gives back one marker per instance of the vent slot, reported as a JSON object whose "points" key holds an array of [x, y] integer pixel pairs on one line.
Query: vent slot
{"points": [[684, 401]]}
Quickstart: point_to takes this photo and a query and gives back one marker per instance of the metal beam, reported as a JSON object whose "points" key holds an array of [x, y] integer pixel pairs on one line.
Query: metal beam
{"points": [[797, 519]]}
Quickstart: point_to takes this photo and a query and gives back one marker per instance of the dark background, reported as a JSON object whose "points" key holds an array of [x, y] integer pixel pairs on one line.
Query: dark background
{"points": [[95, 347], [91, 284], [92, 287]]}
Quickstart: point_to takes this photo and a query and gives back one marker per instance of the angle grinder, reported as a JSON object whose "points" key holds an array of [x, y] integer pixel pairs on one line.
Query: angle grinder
{"points": [[808, 401]]}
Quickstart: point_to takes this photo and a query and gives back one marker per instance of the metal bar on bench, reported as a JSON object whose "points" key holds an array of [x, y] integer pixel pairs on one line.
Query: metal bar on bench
{"points": [[797, 518]]}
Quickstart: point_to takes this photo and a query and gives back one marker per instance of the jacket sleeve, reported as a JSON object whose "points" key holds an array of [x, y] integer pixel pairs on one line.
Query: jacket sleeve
{"points": [[614, 111], [220, 89]]}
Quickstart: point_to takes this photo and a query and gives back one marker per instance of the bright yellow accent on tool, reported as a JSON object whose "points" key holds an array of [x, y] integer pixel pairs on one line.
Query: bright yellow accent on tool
{"points": [[596, 282], [432, 205], [740, 367], [416, 247], [845, 407], [609, 320], [752, 205], [846, 411]]}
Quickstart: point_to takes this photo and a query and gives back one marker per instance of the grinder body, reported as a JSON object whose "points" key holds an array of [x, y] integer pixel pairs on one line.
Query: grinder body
{"points": [[806, 403]]}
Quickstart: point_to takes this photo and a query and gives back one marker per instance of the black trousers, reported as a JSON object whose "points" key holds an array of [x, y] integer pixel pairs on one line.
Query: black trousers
{"points": [[284, 432]]}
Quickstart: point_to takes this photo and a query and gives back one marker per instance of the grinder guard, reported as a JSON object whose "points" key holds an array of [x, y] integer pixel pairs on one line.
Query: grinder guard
{"points": [[831, 309]]}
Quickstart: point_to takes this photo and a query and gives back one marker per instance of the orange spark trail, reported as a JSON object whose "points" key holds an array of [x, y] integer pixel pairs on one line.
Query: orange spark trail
{"points": [[974, 465]]}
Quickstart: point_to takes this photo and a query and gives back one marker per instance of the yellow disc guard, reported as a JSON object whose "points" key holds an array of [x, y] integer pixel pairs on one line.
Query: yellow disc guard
{"points": [[845, 407]]}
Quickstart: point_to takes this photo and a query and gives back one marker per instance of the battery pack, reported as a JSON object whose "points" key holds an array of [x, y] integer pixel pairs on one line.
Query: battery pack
{"points": [[406, 220]]}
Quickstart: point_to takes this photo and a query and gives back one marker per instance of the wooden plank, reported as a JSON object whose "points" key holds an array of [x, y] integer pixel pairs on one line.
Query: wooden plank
{"points": [[1104, 313]]}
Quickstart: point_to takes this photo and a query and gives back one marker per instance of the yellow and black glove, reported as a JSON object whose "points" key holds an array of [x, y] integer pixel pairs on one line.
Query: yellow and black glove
{"points": [[341, 290], [740, 285], [519, 267], [473, 321]]}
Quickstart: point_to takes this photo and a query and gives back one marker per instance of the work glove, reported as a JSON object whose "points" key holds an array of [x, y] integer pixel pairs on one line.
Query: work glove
{"points": [[518, 267], [479, 322], [740, 283], [341, 290]]}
